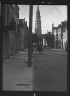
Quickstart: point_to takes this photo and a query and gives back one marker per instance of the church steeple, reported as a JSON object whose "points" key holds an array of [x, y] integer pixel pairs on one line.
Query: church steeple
{"points": [[38, 22], [38, 12], [38, 8]]}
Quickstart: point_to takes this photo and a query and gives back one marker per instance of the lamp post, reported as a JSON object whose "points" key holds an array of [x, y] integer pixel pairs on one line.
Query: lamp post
{"points": [[30, 36]]}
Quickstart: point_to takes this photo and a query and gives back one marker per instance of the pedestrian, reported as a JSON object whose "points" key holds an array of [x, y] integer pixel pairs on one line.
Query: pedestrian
{"points": [[37, 47], [32, 50], [41, 48]]}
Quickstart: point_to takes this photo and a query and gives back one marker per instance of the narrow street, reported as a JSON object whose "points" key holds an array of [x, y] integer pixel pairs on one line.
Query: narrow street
{"points": [[28, 26], [50, 71]]}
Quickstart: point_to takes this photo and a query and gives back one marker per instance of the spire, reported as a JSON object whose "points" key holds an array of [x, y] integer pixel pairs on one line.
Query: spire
{"points": [[38, 8], [38, 22], [38, 12]]}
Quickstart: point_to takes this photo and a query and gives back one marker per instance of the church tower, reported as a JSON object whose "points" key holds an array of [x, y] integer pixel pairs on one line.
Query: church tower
{"points": [[38, 22]]}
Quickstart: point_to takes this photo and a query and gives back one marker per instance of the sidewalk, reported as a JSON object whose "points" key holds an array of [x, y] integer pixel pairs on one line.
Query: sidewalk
{"points": [[59, 50], [16, 74]]}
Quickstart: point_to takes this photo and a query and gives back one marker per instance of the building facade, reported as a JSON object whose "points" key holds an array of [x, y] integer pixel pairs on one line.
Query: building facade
{"points": [[64, 35], [23, 34], [65, 39], [55, 32], [60, 36], [44, 41], [10, 21], [13, 34]]}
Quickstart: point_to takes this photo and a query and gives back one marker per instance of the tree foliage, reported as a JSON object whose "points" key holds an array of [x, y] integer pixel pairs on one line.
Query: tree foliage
{"points": [[35, 38], [50, 39]]}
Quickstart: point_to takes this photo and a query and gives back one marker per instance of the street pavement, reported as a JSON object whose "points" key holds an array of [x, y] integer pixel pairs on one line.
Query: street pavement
{"points": [[16, 74], [47, 73], [50, 70]]}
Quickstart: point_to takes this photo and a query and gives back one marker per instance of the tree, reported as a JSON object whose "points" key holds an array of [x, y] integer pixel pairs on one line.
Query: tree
{"points": [[35, 38], [50, 39]]}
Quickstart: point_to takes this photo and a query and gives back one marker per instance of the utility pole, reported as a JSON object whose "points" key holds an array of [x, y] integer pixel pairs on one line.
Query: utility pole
{"points": [[1, 34], [30, 36]]}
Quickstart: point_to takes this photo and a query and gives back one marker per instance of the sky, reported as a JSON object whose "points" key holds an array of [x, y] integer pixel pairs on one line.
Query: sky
{"points": [[49, 14]]}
